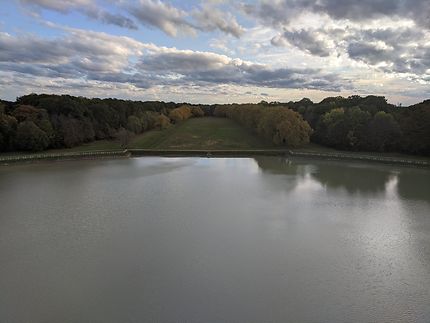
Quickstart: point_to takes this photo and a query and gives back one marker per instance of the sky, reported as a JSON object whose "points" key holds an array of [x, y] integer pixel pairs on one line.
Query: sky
{"points": [[216, 51]]}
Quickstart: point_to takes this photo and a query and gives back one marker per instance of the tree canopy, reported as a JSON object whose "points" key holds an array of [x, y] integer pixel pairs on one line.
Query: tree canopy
{"points": [[279, 125]]}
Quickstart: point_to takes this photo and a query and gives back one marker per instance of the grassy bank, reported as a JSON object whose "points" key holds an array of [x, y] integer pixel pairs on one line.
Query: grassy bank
{"points": [[201, 133]]}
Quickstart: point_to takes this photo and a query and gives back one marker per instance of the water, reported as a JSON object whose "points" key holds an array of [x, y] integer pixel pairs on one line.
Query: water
{"points": [[214, 240]]}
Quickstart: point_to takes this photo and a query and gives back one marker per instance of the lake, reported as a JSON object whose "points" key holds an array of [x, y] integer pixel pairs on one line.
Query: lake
{"points": [[262, 239]]}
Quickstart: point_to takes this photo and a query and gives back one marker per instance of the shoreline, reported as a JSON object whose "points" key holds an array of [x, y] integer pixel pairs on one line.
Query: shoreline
{"points": [[128, 153], [63, 156]]}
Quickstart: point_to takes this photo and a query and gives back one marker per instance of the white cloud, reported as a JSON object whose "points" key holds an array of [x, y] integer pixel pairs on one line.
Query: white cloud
{"points": [[89, 8], [95, 56], [287, 47], [155, 13], [173, 21], [210, 18]]}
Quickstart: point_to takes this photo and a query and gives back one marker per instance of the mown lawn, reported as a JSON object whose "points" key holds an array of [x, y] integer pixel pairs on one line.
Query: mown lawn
{"points": [[201, 133]]}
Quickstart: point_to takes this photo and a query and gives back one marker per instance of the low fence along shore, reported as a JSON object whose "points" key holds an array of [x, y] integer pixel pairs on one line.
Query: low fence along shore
{"points": [[10, 159]]}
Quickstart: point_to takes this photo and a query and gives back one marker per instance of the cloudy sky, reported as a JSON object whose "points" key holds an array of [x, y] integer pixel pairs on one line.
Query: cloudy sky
{"points": [[216, 51]]}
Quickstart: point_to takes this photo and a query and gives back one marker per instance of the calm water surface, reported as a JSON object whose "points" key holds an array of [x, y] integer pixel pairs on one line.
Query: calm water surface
{"points": [[214, 240]]}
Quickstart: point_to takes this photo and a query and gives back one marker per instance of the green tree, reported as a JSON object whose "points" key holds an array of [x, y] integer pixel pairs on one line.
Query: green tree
{"points": [[31, 137], [415, 127], [357, 120], [8, 126], [134, 124], [384, 132], [334, 128], [148, 120], [124, 137], [343, 128]]}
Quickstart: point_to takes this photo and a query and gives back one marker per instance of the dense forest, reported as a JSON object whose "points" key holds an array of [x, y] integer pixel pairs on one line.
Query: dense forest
{"points": [[368, 124], [354, 123], [38, 122]]}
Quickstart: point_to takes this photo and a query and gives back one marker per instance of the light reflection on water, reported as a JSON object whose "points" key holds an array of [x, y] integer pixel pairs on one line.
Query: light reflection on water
{"points": [[214, 240]]}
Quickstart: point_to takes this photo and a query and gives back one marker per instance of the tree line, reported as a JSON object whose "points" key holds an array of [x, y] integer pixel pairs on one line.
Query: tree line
{"points": [[37, 122], [368, 124], [354, 123]]}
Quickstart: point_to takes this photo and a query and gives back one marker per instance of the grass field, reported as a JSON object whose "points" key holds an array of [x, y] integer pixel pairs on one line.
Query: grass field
{"points": [[91, 146], [201, 133]]}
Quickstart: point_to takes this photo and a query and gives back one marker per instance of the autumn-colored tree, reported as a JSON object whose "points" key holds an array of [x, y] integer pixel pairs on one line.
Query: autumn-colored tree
{"points": [[197, 112], [180, 114], [292, 130], [162, 122], [279, 125], [27, 113]]}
